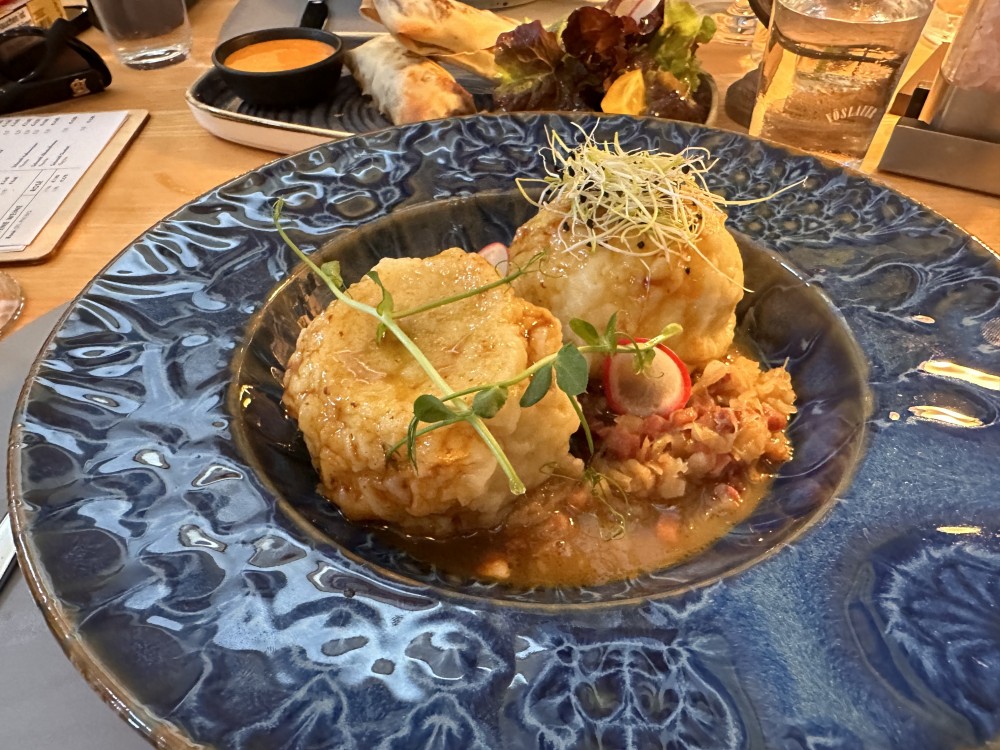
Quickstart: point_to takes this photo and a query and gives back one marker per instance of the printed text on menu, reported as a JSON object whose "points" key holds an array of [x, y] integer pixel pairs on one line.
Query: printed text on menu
{"points": [[41, 159]]}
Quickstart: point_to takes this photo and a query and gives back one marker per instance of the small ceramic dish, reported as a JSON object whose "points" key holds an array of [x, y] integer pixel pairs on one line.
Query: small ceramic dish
{"points": [[281, 67]]}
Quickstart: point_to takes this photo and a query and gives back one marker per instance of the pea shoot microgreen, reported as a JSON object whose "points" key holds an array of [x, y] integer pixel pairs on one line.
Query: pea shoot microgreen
{"points": [[567, 367], [533, 261], [384, 308], [384, 317]]}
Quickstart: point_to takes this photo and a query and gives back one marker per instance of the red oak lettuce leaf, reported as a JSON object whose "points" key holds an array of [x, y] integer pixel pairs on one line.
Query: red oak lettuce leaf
{"points": [[601, 41], [663, 100], [528, 50], [535, 73], [540, 70]]}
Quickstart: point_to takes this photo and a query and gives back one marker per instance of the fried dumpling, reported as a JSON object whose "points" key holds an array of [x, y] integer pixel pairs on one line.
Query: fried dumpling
{"points": [[353, 398], [699, 289]]}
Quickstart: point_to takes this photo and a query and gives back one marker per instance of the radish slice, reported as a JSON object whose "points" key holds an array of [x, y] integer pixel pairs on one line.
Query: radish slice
{"points": [[638, 9], [662, 388], [496, 253]]}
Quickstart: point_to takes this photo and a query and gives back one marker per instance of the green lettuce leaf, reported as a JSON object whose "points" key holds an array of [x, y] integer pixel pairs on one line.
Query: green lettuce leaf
{"points": [[673, 47]]}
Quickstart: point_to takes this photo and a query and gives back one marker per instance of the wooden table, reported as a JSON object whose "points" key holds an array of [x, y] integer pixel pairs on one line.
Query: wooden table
{"points": [[174, 160]]}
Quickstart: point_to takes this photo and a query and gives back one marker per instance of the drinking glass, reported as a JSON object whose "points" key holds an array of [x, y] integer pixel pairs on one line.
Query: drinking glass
{"points": [[11, 301], [943, 20], [145, 34], [736, 24], [829, 71]]}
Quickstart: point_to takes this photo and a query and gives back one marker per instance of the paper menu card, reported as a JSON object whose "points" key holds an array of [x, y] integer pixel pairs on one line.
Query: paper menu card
{"points": [[42, 158]]}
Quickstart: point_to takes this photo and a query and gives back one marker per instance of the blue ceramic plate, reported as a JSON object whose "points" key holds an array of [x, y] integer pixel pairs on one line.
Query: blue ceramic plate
{"points": [[167, 515]]}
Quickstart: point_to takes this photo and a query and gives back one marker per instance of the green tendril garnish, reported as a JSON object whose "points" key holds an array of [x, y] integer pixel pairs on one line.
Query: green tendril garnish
{"points": [[566, 368], [533, 261], [383, 314], [603, 489]]}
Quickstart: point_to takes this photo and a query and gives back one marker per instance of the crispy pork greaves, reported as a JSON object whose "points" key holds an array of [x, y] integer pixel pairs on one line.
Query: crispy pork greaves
{"points": [[698, 290], [353, 398]]}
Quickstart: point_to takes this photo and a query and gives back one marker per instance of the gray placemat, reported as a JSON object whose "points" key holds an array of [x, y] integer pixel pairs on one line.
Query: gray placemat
{"points": [[44, 702]]}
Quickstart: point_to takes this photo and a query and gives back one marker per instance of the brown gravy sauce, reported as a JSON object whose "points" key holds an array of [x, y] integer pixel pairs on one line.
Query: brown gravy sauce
{"points": [[562, 535]]}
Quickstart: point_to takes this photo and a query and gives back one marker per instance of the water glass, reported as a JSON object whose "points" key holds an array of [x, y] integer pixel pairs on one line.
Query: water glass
{"points": [[829, 71], [735, 24], [145, 34], [11, 302], [944, 20]]}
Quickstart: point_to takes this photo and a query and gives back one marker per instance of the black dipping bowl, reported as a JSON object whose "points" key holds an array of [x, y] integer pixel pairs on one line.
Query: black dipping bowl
{"points": [[305, 85]]}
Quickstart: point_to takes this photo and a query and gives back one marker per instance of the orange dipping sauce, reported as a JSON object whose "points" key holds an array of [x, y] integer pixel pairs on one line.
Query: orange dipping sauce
{"points": [[278, 55]]}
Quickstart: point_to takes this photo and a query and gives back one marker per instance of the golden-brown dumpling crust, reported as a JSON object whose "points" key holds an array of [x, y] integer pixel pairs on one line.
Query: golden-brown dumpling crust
{"points": [[354, 398]]}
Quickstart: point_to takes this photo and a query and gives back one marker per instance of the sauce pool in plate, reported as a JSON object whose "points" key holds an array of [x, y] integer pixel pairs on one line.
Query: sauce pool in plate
{"points": [[658, 490], [278, 55]]}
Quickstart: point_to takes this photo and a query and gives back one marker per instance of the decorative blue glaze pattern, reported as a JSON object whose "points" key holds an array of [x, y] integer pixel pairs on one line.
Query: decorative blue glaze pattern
{"points": [[934, 602], [151, 496], [582, 689]]}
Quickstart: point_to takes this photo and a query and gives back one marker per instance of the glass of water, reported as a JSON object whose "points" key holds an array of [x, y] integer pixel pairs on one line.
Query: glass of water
{"points": [[736, 24], [829, 71], [145, 34], [11, 302], [943, 20]]}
